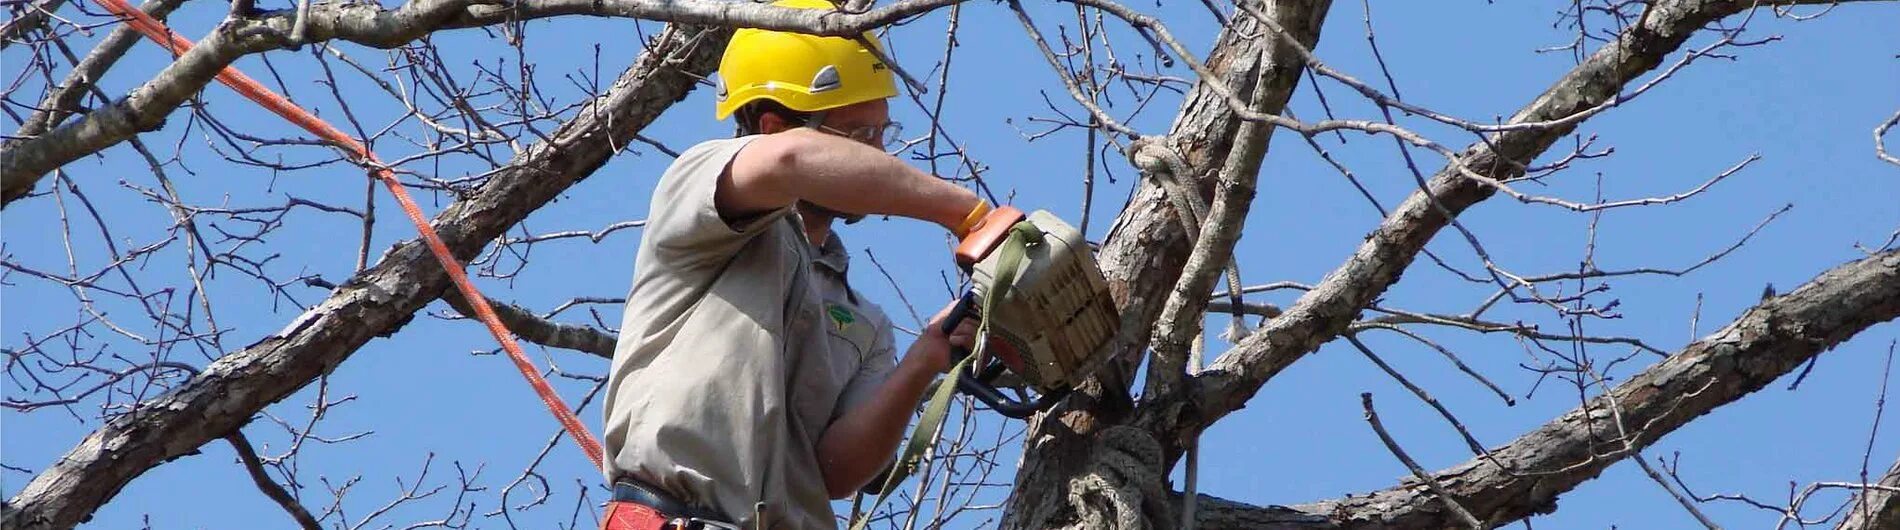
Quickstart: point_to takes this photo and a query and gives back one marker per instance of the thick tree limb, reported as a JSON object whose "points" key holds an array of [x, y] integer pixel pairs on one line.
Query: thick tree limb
{"points": [[23, 162], [376, 302], [27, 17], [62, 101], [1213, 250], [1763, 344], [1875, 509], [1323, 313], [1146, 248]]}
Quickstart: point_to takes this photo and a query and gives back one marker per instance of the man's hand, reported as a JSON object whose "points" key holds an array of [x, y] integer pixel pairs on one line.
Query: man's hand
{"points": [[932, 349], [875, 426]]}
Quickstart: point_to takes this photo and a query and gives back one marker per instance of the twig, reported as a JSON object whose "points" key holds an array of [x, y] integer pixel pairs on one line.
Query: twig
{"points": [[1372, 416], [270, 487]]}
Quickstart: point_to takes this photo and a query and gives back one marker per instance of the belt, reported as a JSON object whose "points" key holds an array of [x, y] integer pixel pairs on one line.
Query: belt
{"points": [[682, 514]]}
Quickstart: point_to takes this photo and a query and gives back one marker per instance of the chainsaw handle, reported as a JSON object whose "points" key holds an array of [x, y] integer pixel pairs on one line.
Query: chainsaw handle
{"points": [[965, 305], [977, 383]]}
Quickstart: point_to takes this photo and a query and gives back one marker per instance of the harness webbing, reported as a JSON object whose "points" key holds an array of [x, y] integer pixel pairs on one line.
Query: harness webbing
{"points": [[138, 20], [1009, 259]]}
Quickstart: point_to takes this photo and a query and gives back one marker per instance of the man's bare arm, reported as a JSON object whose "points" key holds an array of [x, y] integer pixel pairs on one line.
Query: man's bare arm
{"points": [[778, 170], [855, 446]]}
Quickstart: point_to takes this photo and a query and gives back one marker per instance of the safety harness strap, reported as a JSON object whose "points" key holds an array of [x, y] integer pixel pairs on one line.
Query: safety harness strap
{"points": [[623, 515], [1008, 261]]}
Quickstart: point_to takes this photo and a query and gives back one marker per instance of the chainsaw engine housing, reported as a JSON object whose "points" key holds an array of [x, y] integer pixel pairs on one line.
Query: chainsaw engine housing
{"points": [[1056, 315]]}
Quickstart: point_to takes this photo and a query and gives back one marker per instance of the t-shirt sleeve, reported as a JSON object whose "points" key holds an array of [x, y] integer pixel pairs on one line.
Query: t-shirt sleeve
{"points": [[877, 366], [684, 222]]}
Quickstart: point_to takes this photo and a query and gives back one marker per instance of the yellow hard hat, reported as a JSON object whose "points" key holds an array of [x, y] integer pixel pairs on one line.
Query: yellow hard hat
{"points": [[805, 73]]}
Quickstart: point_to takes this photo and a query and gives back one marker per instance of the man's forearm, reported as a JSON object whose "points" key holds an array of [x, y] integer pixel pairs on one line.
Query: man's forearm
{"points": [[780, 169], [856, 446]]}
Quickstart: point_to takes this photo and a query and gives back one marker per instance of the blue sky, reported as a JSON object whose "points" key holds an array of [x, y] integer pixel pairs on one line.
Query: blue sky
{"points": [[1805, 104]]}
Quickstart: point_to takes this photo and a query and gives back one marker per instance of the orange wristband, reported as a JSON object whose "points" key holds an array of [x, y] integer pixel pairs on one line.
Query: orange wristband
{"points": [[969, 221]]}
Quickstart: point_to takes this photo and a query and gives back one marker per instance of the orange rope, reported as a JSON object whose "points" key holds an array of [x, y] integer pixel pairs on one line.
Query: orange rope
{"points": [[250, 88]]}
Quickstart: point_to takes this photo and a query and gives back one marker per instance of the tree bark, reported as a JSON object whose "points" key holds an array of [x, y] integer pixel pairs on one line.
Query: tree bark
{"points": [[529, 327], [62, 101], [1146, 250], [375, 302], [27, 18], [24, 161], [1324, 312], [1875, 509], [1763, 344]]}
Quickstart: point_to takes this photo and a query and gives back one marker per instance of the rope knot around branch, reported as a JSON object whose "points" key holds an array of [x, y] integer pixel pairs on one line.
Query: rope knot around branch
{"points": [[1123, 488], [1154, 155]]}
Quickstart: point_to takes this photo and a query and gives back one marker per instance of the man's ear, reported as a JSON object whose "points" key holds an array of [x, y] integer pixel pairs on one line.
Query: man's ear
{"points": [[771, 122]]}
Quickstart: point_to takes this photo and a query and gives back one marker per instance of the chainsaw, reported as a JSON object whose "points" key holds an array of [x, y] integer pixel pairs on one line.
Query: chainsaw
{"points": [[1044, 307], [1044, 314]]}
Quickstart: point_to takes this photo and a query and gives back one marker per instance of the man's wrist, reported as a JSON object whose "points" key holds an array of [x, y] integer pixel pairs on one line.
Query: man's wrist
{"points": [[916, 368], [971, 219], [955, 214]]}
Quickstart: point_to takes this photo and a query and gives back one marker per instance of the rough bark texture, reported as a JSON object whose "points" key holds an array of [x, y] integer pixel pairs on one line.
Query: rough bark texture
{"points": [[376, 302], [1876, 509], [24, 161], [1763, 344], [1146, 250]]}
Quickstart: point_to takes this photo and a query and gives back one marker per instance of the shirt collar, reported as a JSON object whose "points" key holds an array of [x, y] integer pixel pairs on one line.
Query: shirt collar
{"points": [[832, 255]]}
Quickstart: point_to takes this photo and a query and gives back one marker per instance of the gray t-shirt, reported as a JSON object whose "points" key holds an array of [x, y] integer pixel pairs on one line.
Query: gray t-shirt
{"points": [[739, 344]]}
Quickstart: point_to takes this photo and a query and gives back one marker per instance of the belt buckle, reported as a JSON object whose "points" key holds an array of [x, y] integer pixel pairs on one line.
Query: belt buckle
{"points": [[695, 523]]}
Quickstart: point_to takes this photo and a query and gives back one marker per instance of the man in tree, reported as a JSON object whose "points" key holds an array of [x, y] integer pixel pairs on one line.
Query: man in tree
{"points": [[750, 384]]}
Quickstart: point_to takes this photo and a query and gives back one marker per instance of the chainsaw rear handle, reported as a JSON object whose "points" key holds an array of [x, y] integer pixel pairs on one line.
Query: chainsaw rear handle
{"points": [[978, 384], [986, 235]]}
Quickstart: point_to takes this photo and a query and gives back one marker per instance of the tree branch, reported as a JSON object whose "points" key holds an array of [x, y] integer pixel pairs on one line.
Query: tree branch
{"points": [[1213, 250], [28, 16], [1763, 344], [1323, 313], [1875, 508], [525, 324], [1147, 247], [375, 302], [145, 108], [61, 101], [255, 468]]}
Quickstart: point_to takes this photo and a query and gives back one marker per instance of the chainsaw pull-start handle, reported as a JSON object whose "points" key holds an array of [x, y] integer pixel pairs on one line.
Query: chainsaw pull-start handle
{"points": [[978, 383]]}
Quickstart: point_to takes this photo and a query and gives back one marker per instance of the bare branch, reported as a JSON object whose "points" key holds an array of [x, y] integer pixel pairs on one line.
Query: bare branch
{"points": [[1324, 312], [264, 483], [375, 302], [1875, 508], [146, 107], [1372, 417], [1761, 345], [540, 330], [1880, 139]]}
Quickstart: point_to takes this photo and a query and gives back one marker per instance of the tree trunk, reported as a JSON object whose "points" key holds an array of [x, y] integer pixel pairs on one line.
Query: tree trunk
{"points": [[1098, 459], [1143, 256]]}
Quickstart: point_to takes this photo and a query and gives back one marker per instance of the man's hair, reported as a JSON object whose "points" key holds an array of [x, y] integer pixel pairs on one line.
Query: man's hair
{"points": [[748, 117]]}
